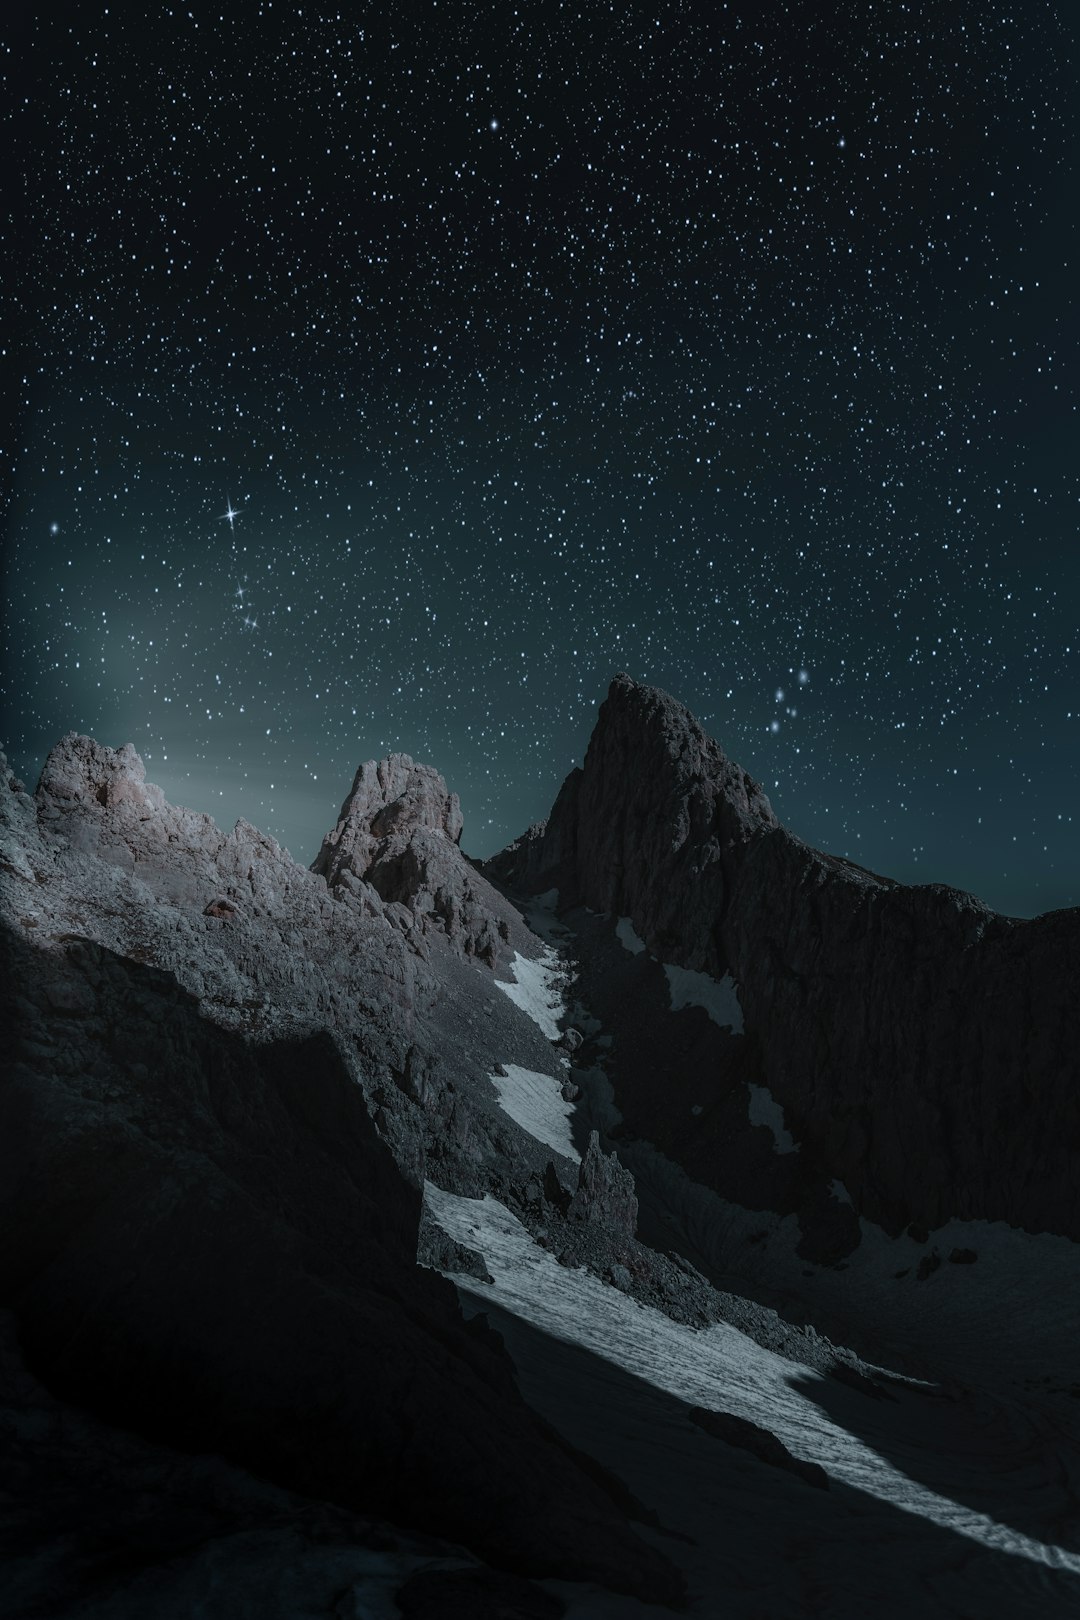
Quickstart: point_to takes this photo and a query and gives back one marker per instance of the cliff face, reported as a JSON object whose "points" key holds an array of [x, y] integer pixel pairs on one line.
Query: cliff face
{"points": [[925, 1051], [224, 1084]]}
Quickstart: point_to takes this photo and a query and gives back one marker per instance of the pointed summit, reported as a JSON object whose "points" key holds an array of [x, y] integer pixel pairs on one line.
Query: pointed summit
{"points": [[398, 833], [869, 1000]]}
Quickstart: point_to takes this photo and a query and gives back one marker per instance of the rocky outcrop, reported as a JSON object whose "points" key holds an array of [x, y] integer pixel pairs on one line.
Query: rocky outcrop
{"points": [[398, 832], [605, 1192], [224, 1085], [925, 1051]]}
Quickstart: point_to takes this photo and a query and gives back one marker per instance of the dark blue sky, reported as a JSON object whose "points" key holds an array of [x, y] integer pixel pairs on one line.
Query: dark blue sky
{"points": [[732, 346]]}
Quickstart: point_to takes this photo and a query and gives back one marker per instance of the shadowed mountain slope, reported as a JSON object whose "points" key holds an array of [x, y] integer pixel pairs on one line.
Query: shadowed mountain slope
{"points": [[925, 1050]]}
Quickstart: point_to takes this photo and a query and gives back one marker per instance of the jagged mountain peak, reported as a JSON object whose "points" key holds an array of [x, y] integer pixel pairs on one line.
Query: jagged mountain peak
{"points": [[244, 1094], [79, 769], [865, 998], [395, 795], [395, 848], [655, 792], [398, 835]]}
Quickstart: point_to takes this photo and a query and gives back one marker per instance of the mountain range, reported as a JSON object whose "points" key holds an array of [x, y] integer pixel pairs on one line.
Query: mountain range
{"points": [[662, 1216]]}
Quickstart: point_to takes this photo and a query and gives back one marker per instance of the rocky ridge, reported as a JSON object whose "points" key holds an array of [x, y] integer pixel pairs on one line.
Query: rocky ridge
{"points": [[229, 1079], [232, 1080], [925, 1051]]}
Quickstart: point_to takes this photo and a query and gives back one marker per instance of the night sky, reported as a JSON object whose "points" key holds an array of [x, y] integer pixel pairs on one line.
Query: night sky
{"points": [[389, 377]]}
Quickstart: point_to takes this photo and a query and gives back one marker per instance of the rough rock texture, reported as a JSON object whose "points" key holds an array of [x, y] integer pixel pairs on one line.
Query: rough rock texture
{"points": [[605, 1192], [658, 812], [224, 1087], [398, 831], [925, 1050]]}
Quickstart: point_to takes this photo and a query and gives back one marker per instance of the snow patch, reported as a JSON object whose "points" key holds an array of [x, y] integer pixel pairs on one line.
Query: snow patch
{"points": [[718, 997], [624, 933], [536, 990], [840, 1193], [765, 1110], [535, 1102]]}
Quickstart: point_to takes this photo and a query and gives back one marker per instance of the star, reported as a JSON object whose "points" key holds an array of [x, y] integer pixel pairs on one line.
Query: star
{"points": [[231, 515]]}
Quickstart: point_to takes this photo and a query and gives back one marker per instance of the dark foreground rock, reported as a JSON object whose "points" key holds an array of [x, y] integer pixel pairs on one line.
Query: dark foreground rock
{"points": [[468, 1594], [100, 1524], [925, 1051]]}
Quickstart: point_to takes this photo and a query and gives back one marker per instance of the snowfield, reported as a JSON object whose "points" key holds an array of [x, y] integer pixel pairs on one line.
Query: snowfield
{"points": [[931, 1497]]}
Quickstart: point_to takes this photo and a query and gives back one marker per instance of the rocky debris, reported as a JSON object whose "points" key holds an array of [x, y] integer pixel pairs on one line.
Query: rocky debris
{"points": [[925, 1051], [829, 1229], [570, 1039], [553, 1191], [963, 1257], [663, 1282], [605, 1194], [737, 1431], [398, 833]]}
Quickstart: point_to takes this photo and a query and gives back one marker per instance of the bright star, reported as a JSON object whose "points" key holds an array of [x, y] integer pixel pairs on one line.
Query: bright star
{"points": [[231, 515]]}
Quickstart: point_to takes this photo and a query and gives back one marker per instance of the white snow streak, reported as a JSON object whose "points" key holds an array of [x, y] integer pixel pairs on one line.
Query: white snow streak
{"points": [[535, 1102], [537, 991]]}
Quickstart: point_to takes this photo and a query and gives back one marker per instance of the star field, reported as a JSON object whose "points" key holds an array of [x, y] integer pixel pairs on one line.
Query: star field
{"points": [[390, 377]]}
